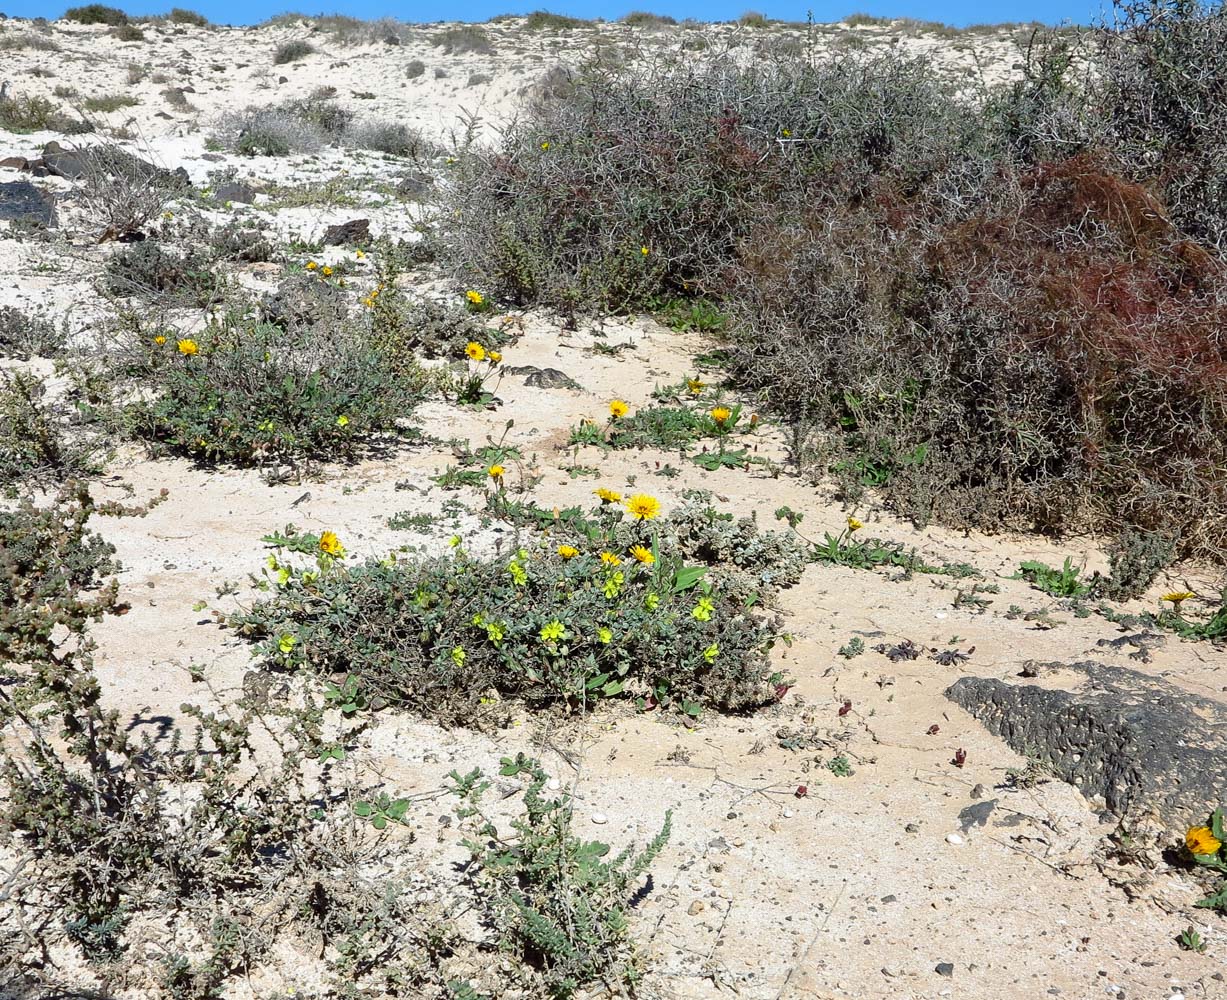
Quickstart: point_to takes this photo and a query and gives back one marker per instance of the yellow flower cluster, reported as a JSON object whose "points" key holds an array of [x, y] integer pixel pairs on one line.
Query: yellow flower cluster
{"points": [[476, 352]]}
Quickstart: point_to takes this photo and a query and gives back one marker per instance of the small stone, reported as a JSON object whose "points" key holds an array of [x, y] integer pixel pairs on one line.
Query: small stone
{"points": [[553, 784], [979, 791], [788, 814], [954, 838], [600, 819], [912, 828], [696, 907], [738, 842], [944, 969]]}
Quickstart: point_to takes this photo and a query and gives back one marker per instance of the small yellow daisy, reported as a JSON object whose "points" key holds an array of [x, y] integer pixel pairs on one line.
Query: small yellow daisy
{"points": [[475, 351], [330, 544], [643, 554], [608, 496], [720, 414], [643, 507], [188, 346], [618, 409], [568, 551]]}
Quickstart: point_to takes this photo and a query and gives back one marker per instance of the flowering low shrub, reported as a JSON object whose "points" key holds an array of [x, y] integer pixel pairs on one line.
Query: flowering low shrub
{"points": [[253, 393], [622, 615]]}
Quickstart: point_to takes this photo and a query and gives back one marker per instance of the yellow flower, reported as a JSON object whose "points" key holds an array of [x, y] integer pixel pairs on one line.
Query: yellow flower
{"points": [[495, 357], [458, 655], [168, 216], [330, 544], [617, 408], [1177, 596], [568, 551], [696, 386], [495, 471], [342, 420], [475, 297], [608, 496], [552, 631], [359, 254], [159, 340], [188, 346], [312, 265], [369, 303], [287, 642], [475, 351], [720, 414], [643, 554], [326, 271], [609, 559], [702, 611], [854, 524], [711, 652], [604, 636], [545, 145], [1201, 841], [787, 133], [644, 251], [643, 507]]}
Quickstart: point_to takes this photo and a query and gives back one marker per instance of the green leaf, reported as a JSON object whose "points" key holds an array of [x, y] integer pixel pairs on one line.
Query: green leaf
{"points": [[363, 809], [1216, 824], [687, 577], [612, 688]]}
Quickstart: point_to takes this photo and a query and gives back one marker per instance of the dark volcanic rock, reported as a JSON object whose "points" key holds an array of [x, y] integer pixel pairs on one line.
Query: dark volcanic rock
{"points": [[1147, 748], [74, 164], [353, 231], [21, 201], [235, 191]]}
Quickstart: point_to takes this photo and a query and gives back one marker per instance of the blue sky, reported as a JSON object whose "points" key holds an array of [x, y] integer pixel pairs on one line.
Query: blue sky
{"points": [[956, 12]]}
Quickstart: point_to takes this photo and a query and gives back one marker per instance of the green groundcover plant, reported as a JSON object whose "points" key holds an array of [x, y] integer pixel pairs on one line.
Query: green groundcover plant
{"points": [[617, 614]]}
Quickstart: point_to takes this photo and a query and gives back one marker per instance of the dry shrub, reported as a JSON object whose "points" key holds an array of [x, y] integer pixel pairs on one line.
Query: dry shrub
{"points": [[1055, 364], [1001, 313]]}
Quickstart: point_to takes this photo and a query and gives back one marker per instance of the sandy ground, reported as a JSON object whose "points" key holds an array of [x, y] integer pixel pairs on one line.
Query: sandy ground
{"points": [[861, 888]]}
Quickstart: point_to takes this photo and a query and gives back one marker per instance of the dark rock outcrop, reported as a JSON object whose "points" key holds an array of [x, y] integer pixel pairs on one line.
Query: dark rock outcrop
{"points": [[347, 233], [22, 202], [1148, 749]]}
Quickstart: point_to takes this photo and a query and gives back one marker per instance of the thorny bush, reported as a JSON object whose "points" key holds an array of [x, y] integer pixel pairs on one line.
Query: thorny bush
{"points": [[1002, 310]]}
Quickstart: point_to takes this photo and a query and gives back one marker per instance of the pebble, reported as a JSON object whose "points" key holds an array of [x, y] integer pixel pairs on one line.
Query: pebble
{"points": [[954, 838], [553, 784], [788, 814], [695, 907], [600, 819]]}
